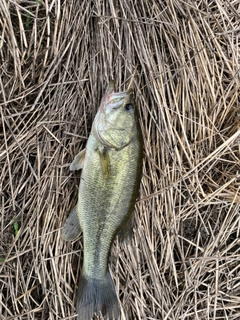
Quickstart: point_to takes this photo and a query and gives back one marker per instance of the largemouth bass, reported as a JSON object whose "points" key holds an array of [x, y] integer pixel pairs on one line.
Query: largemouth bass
{"points": [[111, 172]]}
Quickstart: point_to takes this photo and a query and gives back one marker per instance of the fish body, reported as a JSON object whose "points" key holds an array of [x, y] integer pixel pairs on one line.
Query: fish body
{"points": [[111, 171]]}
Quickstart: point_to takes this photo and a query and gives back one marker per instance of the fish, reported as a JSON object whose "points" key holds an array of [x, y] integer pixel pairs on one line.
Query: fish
{"points": [[111, 167]]}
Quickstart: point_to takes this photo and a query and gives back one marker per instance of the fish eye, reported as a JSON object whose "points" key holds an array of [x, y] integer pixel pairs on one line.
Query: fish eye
{"points": [[129, 107]]}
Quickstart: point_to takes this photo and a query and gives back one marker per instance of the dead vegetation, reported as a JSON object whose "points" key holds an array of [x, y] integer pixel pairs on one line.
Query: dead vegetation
{"points": [[56, 59]]}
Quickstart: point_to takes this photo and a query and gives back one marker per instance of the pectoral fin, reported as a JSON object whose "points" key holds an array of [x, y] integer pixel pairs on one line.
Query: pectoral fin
{"points": [[105, 161], [71, 229], [126, 231], [78, 161]]}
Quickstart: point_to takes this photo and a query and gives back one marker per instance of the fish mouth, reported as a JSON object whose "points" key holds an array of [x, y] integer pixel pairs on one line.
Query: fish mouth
{"points": [[117, 99]]}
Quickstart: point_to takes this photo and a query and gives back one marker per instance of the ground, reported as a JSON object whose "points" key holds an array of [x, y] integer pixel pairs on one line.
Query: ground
{"points": [[182, 59]]}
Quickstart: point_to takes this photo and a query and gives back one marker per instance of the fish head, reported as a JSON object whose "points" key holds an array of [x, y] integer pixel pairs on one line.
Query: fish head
{"points": [[115, 122]]}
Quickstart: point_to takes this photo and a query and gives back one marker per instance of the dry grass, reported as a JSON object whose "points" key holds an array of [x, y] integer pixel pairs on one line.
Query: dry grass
{"points": [[56, 58]]}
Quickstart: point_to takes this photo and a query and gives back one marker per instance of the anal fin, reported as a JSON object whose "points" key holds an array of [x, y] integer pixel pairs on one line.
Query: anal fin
{"points": [[71, 229]]}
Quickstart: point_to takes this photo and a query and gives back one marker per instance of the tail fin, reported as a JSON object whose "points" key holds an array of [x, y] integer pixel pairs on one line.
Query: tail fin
{"points": [[95, 296]]}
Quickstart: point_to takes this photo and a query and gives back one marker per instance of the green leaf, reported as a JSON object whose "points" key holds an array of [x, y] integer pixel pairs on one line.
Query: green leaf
{"points": [[16, 227]]}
